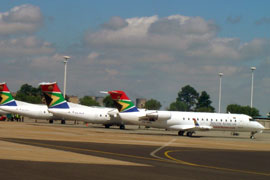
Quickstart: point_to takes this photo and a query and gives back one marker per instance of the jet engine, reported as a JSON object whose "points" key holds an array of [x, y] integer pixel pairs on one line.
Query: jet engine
{"points": [[158, 115]]}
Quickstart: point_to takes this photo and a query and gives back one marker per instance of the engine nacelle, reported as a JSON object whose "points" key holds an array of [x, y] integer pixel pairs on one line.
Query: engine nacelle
{"points": [[159, 115]]}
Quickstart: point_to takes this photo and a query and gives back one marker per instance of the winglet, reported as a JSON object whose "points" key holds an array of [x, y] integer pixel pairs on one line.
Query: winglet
{"points": [[124, 104], [6, 98], [53, 95]]}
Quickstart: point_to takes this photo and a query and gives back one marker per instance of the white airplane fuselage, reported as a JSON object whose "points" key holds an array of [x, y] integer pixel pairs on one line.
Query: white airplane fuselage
{"points": [[95, 115], [3, 112], [185, 121], [35, 111]]}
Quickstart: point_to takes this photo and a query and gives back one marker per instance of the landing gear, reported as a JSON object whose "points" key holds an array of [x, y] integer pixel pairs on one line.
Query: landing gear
{"points": [[181, 133], [107, 126], [252, 134], [235, 134], [122, 126], [189, 134], [51, 121], [63, 122]]}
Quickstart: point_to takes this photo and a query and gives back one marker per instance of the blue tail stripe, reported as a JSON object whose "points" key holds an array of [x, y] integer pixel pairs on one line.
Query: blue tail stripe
{"points": [[61, 106], [12, 103], [133, 109]]}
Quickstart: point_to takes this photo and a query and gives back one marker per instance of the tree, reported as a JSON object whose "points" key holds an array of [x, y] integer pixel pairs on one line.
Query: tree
{"points": [[204, 103], [30, 94], [237, 109], [108, 102], [152, 104], [178, 106], [88, 101], [189, 96]]}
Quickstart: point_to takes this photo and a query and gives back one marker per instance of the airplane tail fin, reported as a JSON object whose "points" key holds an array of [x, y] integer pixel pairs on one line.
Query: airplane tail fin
{"points": [[6, 99], [123, 103], [53, 96]]}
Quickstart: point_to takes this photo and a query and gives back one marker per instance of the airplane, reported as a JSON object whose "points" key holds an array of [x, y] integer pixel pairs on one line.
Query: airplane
{"points": [[10, 105], [60, 107], [3, 112], [188, 122]]}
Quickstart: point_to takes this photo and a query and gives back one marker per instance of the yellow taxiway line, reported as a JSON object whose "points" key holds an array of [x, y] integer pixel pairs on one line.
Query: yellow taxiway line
{"points": [[211, 167]]}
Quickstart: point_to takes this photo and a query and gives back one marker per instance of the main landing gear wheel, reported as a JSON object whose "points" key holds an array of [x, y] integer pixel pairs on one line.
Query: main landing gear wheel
{"points": [[181, 133], [107, 126], [122, 126], [189, 134]]}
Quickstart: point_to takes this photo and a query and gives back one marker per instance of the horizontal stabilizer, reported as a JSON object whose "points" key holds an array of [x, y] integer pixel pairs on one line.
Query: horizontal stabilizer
{"points": [[104, 92]]}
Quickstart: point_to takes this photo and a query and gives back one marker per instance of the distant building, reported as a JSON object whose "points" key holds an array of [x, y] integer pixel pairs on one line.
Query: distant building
{"points": [[74, 99], [140, 102], [264, 120], [99, 100]]}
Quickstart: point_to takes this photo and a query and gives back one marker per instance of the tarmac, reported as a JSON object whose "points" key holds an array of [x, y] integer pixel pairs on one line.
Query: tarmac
{"points": [[30, 150]]}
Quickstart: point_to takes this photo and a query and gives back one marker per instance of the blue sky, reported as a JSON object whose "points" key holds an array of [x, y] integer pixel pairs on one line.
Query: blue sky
{"points": [[159, 46], [67, 20]]}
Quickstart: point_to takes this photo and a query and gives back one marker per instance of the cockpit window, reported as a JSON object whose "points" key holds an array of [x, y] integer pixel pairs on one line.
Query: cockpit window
{"points": [[251, 119]]}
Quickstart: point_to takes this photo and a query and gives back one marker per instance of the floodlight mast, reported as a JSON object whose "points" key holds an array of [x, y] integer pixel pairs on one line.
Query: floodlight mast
{"points": [[252, 83], [65, 74], [219, 101]]}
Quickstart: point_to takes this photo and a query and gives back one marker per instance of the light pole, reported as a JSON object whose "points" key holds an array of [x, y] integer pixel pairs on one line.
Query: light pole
{"points": [[219, 102], [252, 79], [65, 74]]}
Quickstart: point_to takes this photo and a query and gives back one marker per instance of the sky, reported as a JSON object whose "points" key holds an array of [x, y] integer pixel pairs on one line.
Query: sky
{"points": [[148, 48]]}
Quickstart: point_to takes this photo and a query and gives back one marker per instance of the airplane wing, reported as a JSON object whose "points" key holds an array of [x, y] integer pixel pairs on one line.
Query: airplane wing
{"points": [[191, 127], [183, 127]]}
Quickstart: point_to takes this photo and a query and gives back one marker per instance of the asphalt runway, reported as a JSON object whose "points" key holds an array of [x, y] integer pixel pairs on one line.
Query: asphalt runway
{"points": [[156, 162]]}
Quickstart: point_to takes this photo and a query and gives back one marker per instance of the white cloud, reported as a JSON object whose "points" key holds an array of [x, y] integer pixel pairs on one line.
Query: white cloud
{"points": [[192, 37], [20, 19], [47, 62], [115, 23], [24, 46], [93, 56], [167, 53]]}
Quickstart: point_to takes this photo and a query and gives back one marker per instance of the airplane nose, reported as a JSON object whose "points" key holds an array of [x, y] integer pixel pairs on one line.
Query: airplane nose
{"points": [[261, 126]]}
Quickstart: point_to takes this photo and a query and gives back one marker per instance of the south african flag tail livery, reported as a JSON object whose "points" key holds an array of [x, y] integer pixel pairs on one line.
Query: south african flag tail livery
{"points": [[123, 103], [53, 96], [6, 98]]}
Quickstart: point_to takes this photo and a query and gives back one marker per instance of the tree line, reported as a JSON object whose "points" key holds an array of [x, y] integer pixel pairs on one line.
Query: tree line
{"points": [[188, 99]]}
